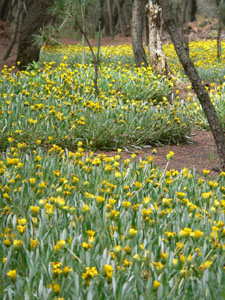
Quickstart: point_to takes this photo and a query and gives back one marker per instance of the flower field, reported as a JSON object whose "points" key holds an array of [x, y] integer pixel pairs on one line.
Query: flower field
{"points": [[80, 225]]}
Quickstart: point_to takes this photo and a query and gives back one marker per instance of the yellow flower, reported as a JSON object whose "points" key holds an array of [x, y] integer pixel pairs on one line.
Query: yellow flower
{"points": [[22, 221], [86, 246], [205, 172], [90, 233], [100, 199], [136, 256], [185, 232], [33, 243], [108, 269], [21, 228], [156, 284], [213, 183], [207, 195], [205, 265], [66, 270], [59, 245], [180, 195], [118, 174], [197, 234], [170, 234], [12, 274], [179, 245], [32, 181], [17, 244], [49, 209], [85, 207], [138, 184], [118, 248], [170, 155], [56, 288], [34, 210], [7, 242], [90, 273], [158, 265], [4, 260], [114, 214], [132, 231], [32, 121], [164, 255], [126, 204]]}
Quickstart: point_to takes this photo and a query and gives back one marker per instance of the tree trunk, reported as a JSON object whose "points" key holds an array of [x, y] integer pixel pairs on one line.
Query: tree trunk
{"points": [[5, 9], [136, 33], [183, 11], [19, 11], [120, 15], [219, 31], [194, 8], [199, 89], [109, 9], [37, 17], [156, 54]]}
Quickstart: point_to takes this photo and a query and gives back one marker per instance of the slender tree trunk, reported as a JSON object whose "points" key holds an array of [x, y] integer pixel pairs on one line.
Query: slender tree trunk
{"points": [[156, 54], [194, 9], [136, 33], [219, 31], [82, 37], [199, 89], [16, 29], [36, 17], [185, 37], [109, 9], [121, 18]]}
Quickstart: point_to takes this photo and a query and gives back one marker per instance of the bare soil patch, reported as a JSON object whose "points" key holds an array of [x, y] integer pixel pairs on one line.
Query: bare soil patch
{"points": [[200, 153]]}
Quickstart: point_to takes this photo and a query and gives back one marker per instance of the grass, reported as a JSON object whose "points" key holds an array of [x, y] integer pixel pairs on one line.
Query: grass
{"points": [[76, 225]]}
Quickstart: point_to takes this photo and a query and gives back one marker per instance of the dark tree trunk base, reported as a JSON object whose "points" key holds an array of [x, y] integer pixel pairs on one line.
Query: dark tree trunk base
{"points": [[37, 17]]}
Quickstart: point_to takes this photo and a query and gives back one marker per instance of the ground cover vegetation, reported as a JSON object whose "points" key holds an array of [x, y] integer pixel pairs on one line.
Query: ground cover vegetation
{"points": [[76, 225]]}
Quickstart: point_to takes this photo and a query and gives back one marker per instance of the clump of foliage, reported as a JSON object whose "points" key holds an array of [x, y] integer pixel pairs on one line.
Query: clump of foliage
{"points": [[90, 226], [79, 224]]}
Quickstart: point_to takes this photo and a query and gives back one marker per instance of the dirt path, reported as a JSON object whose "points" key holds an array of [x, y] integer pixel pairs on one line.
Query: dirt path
{"points": [[200, 153]]}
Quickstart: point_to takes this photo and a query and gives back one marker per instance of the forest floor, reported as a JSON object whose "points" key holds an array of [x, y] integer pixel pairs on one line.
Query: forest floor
{"points": [[199, 153]]}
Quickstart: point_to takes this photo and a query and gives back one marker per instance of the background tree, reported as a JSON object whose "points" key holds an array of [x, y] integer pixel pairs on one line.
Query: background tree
{"points": [[192, 74], [220, 12], [138, 14], [18, 21], [156, 54], [36, 18]]}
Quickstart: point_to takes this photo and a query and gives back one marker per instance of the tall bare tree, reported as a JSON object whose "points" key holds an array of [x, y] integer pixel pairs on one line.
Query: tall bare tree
{"points": [[192, 74], [137, 31], [156, 54], [220, 12]]}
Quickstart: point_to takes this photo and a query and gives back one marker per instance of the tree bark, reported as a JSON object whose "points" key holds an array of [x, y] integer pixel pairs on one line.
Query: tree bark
{"points": [[184, 11], [16, 29], [136, 33], [109, 9], [199, 89], [156, 54], [218, 40], [194, 9], [36, 17], [5, 9], [120, 16]]}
